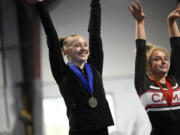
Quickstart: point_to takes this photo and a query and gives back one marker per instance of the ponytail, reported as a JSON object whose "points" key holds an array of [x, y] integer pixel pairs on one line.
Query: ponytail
{"points": [[61, 41]]}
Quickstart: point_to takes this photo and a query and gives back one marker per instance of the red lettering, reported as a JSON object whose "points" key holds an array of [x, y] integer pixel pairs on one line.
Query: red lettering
{"points": [[153, 98], [163, 98], [176, 97]]}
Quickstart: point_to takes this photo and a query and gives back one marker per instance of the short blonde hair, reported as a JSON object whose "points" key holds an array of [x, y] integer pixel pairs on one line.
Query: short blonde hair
{"points": [[150, 49]]}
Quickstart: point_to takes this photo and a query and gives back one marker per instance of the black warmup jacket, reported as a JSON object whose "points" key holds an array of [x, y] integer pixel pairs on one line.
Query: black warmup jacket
{"points": [[165, 119], [80, 115]]}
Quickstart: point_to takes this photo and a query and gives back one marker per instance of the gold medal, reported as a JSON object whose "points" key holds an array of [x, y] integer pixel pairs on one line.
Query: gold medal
{"points": [[93, 102]]}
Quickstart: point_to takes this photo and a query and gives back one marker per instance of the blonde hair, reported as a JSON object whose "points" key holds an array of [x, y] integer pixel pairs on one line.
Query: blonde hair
{"points": [[150, 49], [64, 41]]}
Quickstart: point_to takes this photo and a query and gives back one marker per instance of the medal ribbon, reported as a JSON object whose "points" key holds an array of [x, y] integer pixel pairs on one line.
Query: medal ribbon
{"points": [[88, 84], [167, 94]]}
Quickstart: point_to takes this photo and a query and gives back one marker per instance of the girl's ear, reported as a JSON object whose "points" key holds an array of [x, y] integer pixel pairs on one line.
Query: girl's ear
{"points": [[64, 51]]}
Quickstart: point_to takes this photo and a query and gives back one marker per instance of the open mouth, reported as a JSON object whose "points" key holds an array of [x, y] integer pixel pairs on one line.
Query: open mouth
{"points": [[83, 54]]}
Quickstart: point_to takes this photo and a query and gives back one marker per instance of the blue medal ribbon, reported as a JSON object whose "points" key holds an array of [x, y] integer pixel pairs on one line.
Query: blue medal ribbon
{"points": [[88, 84]]}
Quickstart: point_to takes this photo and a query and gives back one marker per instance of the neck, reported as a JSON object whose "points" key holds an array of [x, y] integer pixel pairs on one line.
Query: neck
{"points": [[79, 65], [160, 78]]}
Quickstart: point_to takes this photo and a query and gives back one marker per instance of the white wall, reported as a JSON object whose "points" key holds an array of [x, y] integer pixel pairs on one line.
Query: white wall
{"points": [[118, 28]]}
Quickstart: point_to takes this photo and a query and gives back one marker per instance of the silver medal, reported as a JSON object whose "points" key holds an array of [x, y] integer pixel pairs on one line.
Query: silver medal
{"points": [[93, 102]]}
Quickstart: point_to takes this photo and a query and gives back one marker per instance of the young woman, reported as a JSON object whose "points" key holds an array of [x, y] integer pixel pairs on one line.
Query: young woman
{"points": [[79, 81], [156, 81]]}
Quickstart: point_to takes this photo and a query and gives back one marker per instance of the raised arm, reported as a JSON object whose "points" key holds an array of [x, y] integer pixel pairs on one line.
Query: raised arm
{"points": [[174, 35], [138, 14], [58, 65], [95, 42], [140, 63]]}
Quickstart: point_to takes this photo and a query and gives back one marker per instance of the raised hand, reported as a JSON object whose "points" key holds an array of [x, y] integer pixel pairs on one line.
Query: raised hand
{"points": [[174, 14], [172, 25], [33, 1], [137, 11]]}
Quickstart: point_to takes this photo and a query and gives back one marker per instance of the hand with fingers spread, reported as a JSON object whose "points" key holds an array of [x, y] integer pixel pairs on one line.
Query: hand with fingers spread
{"points": [[174, 14], [34, 1], [137, 11], [172, 25]]}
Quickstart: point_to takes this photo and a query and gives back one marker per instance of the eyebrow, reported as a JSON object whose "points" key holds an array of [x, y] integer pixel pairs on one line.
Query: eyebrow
{"points": [[81, 43], [160, 56]]}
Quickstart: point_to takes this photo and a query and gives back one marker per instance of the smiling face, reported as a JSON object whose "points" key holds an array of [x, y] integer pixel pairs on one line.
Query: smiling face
{"points": [[159, 62], [77, 49]]}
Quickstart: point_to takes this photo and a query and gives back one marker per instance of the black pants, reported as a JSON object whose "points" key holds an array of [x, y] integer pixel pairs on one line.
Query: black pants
{"points": [[102, 131]]}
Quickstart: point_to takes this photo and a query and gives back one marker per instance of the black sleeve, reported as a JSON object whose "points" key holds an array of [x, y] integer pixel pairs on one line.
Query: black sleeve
{"points": [[140, 66], [57, 63], [175, 58], [95, 42]]}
